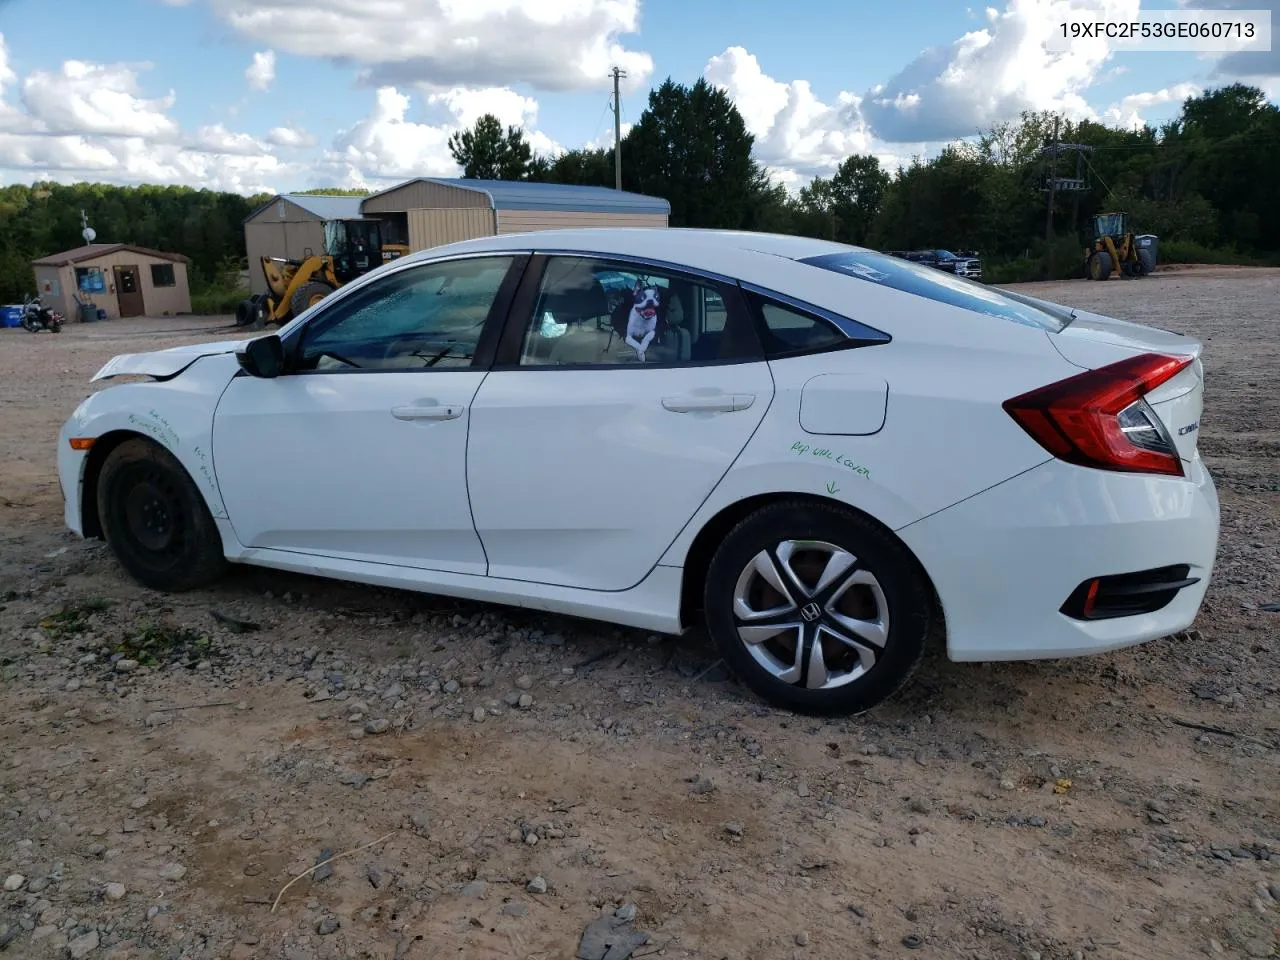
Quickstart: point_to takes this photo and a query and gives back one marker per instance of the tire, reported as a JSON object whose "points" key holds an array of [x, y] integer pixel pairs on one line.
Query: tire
{"points": [[887, 588], [1100, 265], [141, 483], [309, 293]]}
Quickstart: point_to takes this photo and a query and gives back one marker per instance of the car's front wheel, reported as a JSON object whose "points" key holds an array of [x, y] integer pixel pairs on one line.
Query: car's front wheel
{"points": [[155, 520], [817, 609]]}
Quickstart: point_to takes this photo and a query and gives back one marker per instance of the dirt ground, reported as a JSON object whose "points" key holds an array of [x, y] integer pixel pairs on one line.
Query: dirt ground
{"points": [[168, 764]]}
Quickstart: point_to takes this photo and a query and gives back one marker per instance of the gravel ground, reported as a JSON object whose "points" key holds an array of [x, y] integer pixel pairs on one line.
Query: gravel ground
{"points": [[502, 783]]}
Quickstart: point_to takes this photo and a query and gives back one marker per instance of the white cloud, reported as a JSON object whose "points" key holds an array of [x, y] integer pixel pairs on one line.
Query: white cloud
{"points": [[386, 146], [994, 73], [91, 121], [294, 137], [216, 138], [549, 44], [797, 136], [96, 98], [262, 71], [1128, 112], [468, 104]]}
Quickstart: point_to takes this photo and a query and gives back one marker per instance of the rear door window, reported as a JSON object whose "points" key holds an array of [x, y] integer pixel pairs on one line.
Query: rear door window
{"points": [[941, 286]]}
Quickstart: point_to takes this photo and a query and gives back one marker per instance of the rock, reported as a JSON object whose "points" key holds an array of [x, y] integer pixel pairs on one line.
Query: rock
{"points": [[83, 946], [1275, 890], [1264, 892], [126, 666], [475, 889], [421, 820], [393, 692], [115, 891], [477, 714], [515, 836], [453, 686], [38, 884], [72, 685], [14, 882], [802, 939], [802, 790], [1258, 948], [733, 828], [1215, 948], [525, 682], [1007, 784], [137, 803], [381, 725], [158, 719], [327, 926], [172, 871], [625, 913], [536, 885], [514, 909], [525, 701]]}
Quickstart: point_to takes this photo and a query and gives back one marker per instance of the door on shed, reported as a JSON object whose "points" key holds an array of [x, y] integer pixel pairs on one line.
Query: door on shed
{"points": [[129, 291]]}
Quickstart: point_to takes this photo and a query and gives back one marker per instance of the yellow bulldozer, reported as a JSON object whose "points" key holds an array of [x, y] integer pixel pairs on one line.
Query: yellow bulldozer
{"points": [[351, 249], [1116, 251]]}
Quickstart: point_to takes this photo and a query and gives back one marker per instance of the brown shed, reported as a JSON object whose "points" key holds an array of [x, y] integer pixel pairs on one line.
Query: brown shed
{"points": [[291, 225], [430, 211], [123, 279]]}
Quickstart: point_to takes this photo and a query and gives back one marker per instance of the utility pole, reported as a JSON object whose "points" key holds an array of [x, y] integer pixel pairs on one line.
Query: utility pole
{"points": [[1053, 183], [617, 129]]}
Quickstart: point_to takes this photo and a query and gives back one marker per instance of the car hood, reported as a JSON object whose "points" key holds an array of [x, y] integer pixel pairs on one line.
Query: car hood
{"points": [[162, 364]]}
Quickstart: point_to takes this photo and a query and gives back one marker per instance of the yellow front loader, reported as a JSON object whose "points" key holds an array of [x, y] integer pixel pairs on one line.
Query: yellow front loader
{"points": [[1115, 251], [352, 249]]}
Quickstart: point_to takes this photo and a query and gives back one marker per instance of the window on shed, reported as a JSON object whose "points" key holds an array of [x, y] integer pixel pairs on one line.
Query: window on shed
{"points": [[90, 280], [162, 275]]}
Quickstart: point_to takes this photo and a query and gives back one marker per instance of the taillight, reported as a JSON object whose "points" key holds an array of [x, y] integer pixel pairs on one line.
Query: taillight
{"points": [[1099, 418]]}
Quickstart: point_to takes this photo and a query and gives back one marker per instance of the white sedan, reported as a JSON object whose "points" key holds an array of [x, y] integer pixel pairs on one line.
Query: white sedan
{"points": [[822, 454]]}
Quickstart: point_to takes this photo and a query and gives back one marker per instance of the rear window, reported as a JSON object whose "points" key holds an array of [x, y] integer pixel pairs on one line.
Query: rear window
{"points": [[940, 286]]}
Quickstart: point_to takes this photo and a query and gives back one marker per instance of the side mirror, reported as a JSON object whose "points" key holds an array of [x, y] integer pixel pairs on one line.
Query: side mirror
{"points": [[263, 357]]}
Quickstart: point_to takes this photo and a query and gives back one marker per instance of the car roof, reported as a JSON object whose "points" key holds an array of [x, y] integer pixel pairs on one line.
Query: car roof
{"points": [[696, 247]]}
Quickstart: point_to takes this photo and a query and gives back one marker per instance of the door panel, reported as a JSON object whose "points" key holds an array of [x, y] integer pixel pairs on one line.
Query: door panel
{"points": [[365, 466], [584, 477], [359, 450], [128, 291], [609, 419]]}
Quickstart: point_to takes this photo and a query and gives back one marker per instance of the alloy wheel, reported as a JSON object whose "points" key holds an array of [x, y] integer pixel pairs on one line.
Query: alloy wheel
{"points": [[810, 615]]}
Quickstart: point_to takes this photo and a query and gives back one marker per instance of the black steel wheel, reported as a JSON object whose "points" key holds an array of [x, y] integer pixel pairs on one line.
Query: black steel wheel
{"points": [[817, 609], [155, 520]]}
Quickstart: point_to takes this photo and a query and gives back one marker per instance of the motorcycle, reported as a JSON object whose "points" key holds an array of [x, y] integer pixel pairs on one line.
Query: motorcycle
{"points": [[36, 316]]}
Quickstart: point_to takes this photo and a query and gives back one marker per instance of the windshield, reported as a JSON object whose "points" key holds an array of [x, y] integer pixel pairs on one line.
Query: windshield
{"points": [[945, 255], [942, 287]]}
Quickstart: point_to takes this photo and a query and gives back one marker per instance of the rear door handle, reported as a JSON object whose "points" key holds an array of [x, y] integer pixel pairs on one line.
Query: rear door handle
{"points": [[442, 412], [713, 403]]}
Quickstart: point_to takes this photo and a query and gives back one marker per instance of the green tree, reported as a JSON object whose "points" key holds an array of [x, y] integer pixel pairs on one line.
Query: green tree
{"points": [[487, 152], [692, 147], [845, 205]]}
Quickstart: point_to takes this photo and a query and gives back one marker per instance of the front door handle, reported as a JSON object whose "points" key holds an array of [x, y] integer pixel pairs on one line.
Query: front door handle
{"points": [[441, 412], [710, 403]]}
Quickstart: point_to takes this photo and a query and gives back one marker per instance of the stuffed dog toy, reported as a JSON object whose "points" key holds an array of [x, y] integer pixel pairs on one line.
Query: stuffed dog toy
{"points": [[646, 318]]}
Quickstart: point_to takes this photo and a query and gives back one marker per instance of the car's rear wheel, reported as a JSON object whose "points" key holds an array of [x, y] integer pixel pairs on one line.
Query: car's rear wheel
{"points": [[817, 609], [155, 520]]}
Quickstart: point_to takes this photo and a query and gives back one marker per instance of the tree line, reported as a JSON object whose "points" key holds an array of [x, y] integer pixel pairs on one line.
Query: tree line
{"points": [[1203, 183]]}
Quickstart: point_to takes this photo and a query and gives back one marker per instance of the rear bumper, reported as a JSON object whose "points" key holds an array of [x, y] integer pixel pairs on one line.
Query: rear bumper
{"points": [[1006, 561]]}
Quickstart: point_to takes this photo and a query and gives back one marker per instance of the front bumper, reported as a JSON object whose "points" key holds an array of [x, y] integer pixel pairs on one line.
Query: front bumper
{"points": [[71, 478], [1005, 561]]}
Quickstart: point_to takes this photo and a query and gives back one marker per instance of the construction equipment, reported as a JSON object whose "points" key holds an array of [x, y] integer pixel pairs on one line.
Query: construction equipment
{"points": [[351, 249], [1115, 251]]}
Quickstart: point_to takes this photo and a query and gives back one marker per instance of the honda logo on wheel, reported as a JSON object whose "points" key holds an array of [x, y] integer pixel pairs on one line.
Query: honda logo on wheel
{"points": [[810, 612]]}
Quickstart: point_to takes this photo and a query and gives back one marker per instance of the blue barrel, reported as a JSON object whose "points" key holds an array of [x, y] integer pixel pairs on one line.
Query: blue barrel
{"points": [[11, 315]]}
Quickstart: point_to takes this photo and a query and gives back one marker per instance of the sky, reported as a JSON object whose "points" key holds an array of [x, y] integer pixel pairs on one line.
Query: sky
{"points": [[277, 95]]}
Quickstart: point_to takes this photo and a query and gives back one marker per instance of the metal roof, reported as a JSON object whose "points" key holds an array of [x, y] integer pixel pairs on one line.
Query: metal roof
{"points": [[95, 250], [322, 205], [530, 195]]}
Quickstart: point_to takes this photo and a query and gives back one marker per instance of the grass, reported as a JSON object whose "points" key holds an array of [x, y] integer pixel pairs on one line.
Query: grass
{"points": [[217, 300], [74, 617], [155, 643]]}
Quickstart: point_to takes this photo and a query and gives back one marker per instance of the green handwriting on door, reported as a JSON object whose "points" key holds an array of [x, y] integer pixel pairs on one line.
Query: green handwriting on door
{"points": [[801, 449]]}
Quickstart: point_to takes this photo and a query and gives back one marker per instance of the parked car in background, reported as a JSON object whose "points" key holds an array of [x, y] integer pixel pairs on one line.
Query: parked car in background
{"points": [[966, 264]]}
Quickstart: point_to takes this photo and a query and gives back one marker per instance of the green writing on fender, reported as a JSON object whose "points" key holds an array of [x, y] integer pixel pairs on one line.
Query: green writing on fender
{"points": [[803, 449]]}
